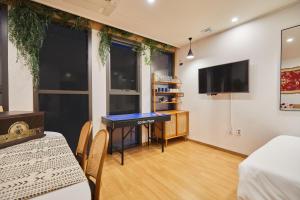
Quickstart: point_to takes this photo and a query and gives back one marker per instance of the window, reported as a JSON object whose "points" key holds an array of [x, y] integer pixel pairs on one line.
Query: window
{"points": [[63, 92], [124, 79], [3, 58], [65, 113], [163, 64], [64, 60], [123, 104], [124, 63], [123, 86]]}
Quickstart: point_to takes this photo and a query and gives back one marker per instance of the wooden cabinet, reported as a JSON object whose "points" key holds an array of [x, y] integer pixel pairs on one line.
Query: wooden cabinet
{"points": [[182, 120], [178, 126], [170, 127]]}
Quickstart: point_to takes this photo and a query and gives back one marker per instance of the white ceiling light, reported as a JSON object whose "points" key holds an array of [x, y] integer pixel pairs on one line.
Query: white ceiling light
{"points": [[234, 19], [151, 1], [289, 40]]}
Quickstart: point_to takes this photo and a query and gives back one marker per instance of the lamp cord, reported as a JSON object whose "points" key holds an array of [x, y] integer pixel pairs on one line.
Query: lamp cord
{"points": [[230, 113]]}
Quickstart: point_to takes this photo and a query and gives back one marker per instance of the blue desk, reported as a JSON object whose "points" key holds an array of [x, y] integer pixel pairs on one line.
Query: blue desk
{"points": [[132, 120]]}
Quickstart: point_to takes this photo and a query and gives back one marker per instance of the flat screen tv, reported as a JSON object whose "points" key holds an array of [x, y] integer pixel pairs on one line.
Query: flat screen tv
{"points": [[226, 78]]}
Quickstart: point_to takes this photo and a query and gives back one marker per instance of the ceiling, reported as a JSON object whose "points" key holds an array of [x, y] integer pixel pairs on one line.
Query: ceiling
{"points": [[170, 21]]}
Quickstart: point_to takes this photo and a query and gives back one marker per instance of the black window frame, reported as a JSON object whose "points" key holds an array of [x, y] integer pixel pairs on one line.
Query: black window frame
{"points": [[137, 92], [4, 56], [111, 91], [88, 92]]}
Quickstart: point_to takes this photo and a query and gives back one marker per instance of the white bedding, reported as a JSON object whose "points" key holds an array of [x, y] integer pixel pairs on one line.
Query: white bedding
{"points": [[272, 172]]}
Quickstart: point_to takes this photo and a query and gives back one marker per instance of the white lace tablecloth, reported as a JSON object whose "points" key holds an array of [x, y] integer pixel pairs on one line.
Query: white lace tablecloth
{"points": [[44, 168]]}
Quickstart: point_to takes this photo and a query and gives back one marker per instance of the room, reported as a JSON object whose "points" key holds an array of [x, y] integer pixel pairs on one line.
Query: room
{"points": [[150, 99]]}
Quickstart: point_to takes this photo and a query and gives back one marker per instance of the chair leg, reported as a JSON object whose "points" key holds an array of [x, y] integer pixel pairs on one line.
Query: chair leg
{"points": [[148, 135]]}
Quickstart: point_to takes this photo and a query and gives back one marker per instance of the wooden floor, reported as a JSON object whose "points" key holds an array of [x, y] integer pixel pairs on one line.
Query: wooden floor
{"points": [[186, 170]]}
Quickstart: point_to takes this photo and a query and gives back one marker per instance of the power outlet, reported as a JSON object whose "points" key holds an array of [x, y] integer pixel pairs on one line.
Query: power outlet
{"points": [[236, 132]]}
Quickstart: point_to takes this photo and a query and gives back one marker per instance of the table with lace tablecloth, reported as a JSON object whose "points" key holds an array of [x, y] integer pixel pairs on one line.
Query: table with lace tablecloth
{"points": [[43, 168]]}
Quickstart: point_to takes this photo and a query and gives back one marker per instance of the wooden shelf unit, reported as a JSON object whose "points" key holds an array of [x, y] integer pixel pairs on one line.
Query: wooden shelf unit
{"points": [[167, 83], [166, 93], [178, 126], [176, 95], [172, 102]]}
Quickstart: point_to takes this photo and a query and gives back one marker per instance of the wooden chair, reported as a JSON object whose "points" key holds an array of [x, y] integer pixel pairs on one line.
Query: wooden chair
{"points": [[1, 109], [82, 147], [95, 162]]}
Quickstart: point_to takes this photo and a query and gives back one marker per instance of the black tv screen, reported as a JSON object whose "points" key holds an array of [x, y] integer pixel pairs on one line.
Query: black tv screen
{"points": [[226, 78]]}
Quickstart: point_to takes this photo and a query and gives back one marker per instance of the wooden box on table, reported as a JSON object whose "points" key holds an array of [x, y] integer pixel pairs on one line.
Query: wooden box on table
{"points": [[18, 127]]}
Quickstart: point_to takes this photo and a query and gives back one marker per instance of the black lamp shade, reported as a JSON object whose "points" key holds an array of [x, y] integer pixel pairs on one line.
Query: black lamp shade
{"points": [[190, 54]]}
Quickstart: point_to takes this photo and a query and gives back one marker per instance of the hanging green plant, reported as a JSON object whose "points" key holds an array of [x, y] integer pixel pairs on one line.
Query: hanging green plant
{"points": [[143, 51], [27, 30], [64, 18], [27, 23], [104, 44], [80, 23], [119, 32], [105, 36], [153, 47]]}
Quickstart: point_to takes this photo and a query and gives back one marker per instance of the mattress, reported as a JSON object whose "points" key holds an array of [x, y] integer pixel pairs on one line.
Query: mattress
{"points": [[272, 172]]}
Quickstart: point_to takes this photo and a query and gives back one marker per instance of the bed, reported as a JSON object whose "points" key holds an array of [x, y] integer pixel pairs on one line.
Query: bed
{"points": [[272, 172]]}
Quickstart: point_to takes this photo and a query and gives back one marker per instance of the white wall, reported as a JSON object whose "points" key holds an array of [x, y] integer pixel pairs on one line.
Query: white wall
{"points": [[21, 89], [19, 82], [145, 91], [257, 114], [98, 85]]}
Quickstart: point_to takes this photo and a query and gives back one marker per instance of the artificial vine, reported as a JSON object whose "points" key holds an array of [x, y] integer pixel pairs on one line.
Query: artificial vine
{"points": [[27, 24], [106, 34], [104, 44], [27, 31], [154, 47]]}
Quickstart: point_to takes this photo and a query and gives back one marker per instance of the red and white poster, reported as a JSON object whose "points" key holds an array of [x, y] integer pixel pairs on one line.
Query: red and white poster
{"points": [[290, 80]]}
